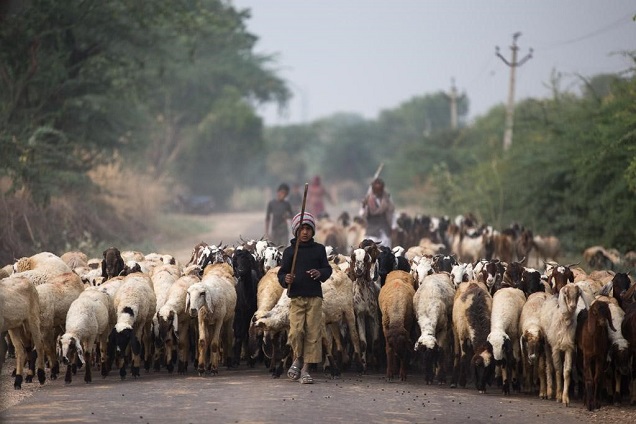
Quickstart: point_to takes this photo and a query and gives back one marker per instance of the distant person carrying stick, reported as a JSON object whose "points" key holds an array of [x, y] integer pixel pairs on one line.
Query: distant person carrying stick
{"points": [[304, 287], [378, 211]]}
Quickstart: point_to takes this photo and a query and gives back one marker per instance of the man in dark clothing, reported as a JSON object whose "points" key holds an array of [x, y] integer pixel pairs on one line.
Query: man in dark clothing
{"points": [[305, 290], [278, 213]]}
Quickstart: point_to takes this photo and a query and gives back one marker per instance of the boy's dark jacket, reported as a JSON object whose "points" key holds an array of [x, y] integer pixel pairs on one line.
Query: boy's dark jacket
{"points": [[311, 255]]}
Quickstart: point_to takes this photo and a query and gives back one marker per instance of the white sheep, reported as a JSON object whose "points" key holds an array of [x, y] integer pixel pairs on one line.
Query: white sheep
{"points": [[56, 298], [274, 325], [20, 316], [531, 341], [45, 262], [337, 308], [268, 291], [213, 302], [172, 326], [163, 276], [87, 322], [507, 304], [558, 323], [433, 307], [75, 259], [135, 305]]}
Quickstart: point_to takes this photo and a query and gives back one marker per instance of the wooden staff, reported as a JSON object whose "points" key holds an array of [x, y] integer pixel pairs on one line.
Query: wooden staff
{"points": [[302, 216]]}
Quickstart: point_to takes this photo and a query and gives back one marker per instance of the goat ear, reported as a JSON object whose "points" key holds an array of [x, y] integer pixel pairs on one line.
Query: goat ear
{"points": [[187, 303], [175, 321], [561, 300], [80, 352]]}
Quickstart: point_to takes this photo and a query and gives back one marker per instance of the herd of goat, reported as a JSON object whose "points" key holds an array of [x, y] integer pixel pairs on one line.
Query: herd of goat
{"points": [[449, 300]]}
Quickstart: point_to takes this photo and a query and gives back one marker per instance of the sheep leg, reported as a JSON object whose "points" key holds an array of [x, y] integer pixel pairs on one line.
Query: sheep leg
{"points": [[389, 361], [3, 349], [327, 343], [183, 345], [20, 356], [439, 358], [505, 377], [558, 374], [227, 336], [375, 338], [354, 337], [146, 339], [103, 354], [68, 376], [215, 337], [549, 372], [617, 385], [567, 372], [88, 376], [456, 361], [204, 336], [598, 376], [340, 348], [541, 365], [515, 366], [363, 341], [135, 353], [404, 361]]}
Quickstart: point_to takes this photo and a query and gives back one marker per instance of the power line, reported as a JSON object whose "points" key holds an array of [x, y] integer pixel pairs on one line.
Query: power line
{"points": [[606, 28]]}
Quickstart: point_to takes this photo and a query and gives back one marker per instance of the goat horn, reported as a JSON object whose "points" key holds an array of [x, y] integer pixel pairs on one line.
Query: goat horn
{"points": [[569, 265]]}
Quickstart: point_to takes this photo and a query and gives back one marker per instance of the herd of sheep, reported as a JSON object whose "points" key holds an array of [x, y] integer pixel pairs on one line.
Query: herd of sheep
{"points": [[493, 322]]}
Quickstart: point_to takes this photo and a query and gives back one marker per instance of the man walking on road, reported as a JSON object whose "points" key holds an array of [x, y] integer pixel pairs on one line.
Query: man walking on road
{"points": [[278, 214]]}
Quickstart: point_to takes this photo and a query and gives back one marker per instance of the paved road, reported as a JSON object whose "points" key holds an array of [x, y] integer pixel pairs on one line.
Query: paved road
{"points": [[251, 396]]}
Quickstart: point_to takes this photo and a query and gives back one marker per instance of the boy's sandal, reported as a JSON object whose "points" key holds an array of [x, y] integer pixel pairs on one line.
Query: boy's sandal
{"points": [[305, 378], [294, 372]]}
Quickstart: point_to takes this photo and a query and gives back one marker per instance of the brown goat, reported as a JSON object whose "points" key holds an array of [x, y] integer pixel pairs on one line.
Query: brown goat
{"points": [[396, 304], [628, 328], [560, 276], [593, 344]]}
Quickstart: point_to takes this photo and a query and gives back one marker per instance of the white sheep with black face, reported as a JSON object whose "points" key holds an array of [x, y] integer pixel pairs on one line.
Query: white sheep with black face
{"points": [[135, 304], [433, 307], [507, 304], [87, 322]]}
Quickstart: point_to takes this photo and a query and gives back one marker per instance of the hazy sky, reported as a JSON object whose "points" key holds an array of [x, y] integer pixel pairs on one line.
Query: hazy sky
{"points": [[365, 56]]}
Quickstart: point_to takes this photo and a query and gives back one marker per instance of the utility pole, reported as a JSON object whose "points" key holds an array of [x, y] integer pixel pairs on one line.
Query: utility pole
{"points": [[507, 142], [453, 104]]}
